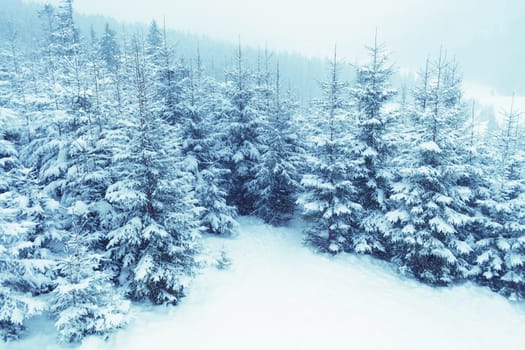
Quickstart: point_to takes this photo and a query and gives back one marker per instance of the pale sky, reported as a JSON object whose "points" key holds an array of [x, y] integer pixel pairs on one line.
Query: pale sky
{"points": [[412, 29]]}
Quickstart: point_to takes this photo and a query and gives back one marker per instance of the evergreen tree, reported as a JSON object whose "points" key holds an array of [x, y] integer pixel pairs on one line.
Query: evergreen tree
{"points": [[24, 266], [49, 66], [65, 37], [67, 54], [329, 194], [372, 150], [109, 50], [243, 139], [500, 239], [201, 147], [153, 241], [154, 45], [169, 78], [277, 177], [84, 301], [430, 204]]}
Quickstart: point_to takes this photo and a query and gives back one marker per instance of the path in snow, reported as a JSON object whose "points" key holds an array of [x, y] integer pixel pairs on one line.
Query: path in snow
{"points": [[279, 295]]}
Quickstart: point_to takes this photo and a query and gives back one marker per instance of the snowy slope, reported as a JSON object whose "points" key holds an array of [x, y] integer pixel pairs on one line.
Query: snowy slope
{"points": [[501, 104], [280, 295]]}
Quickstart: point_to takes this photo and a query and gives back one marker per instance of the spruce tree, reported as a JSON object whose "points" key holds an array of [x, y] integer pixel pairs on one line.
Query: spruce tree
{"points": [[169, 78], [500, 238], [243, 138], [84, 301], [277, 174], [153, 241], [109, 50], [25, 268], [328, 199], [430, 203], [201, 146], [372, 150]]}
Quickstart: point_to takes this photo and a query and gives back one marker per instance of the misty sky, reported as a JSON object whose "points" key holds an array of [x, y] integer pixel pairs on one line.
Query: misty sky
{"points": [[473, 30]]}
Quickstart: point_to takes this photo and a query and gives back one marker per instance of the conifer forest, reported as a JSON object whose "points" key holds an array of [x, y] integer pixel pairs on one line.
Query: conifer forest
{"points": [[118, 157]]}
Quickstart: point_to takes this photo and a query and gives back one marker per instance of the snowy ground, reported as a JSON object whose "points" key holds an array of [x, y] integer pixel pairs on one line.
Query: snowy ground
{"points": [[279, 295]]}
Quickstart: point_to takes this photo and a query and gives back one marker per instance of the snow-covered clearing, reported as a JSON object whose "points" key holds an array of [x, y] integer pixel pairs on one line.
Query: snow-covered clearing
{"points": [[280, 295]]}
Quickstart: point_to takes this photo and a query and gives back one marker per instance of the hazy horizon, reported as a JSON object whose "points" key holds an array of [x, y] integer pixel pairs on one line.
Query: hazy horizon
{"points": [[475, 32]]}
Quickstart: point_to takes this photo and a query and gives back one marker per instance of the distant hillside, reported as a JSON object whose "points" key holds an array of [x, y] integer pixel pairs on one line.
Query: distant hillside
{"points": [[301, 74]]}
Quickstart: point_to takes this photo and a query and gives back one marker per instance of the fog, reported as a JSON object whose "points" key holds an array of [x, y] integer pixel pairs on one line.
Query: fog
{"points": [[485, 36]]}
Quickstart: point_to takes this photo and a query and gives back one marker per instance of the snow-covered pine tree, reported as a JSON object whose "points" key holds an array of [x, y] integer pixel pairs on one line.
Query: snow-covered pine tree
{"points": [[429, 205], [372, 150], [68, 56], [65, 64], [84, 301], [17, 75], [153, 240], [277, 174], [69, 163], [154, 45], [169, 78], [328, 200], [68, 170], [201, 147], [243, 138], [66, 154], [109, 50], [107, 73], [65, 38], [500, 239], [48, 65], [24, 267], [263, 88], [47, 160]]}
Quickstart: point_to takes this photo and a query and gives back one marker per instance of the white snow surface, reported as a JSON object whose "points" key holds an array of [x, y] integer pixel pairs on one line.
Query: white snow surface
{"points": [[278, 294]]}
